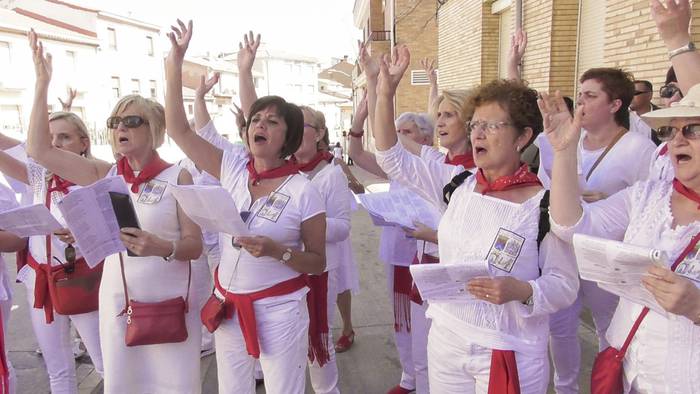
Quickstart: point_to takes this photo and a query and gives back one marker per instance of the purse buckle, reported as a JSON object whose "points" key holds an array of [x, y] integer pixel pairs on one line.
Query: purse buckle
{"points": [[129, 312]]}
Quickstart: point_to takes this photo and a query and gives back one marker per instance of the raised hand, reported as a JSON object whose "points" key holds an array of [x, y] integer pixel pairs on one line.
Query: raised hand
{"points": [[429, 67], [206, 84], [368, 64], [42, 63], [360, 114], [391, 70], [247, 51], [518, 44], [561, 129], [66, 105], [240, 119], [672, 20], [179, 41]]}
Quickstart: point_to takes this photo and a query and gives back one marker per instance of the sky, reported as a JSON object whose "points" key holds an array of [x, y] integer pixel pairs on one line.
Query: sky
{"points": [[318, 28]]}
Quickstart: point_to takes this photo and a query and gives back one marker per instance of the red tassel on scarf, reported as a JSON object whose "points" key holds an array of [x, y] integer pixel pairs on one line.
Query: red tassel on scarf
{"points": [[503, 376], [317, 302], [403, 281]]}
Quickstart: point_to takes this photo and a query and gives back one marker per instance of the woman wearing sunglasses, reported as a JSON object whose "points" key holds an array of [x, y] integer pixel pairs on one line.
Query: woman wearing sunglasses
{"points": [[474, 345], [164, 245], [260, 277]]}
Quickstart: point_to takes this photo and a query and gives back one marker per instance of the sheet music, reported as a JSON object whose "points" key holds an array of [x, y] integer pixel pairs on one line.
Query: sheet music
{"points": [[90, 217], [618, 267], [400, 208], [211, 207], [447, 282], [29, 220]]}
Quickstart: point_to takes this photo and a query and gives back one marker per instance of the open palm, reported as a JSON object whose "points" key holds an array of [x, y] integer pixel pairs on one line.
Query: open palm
{"points": [[42, 62], [247, 51], [206, 84], [369, 65], [180, 37], [561, 129], [392, 70]]}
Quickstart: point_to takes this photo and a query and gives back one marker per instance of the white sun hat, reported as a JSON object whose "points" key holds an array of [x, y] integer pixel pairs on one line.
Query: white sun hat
{"points": [[687, 107]]}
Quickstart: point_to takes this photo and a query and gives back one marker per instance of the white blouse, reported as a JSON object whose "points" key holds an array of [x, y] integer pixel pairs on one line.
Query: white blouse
{"points": [[661, 167], [395, 247], [7, 201], [641, 215], [472, 226]]}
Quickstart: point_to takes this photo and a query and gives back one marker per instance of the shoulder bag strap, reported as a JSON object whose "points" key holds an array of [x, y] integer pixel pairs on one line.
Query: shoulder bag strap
{"points": [[189, 281], [543, 226], [605, 152], [448, 189], [126, 292]]}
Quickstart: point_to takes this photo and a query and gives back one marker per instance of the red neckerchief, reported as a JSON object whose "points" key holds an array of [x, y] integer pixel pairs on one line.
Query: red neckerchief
{"points": [[682, 189], [466, 160], [522, 178], [59, 185], [663, 150], [153, 168], [320, 156], [288, 168]]}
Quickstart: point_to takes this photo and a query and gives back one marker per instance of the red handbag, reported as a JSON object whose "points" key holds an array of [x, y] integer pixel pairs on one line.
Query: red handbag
{"points": [[606, 376], [151, 323], [74, 288], [213, 313]]}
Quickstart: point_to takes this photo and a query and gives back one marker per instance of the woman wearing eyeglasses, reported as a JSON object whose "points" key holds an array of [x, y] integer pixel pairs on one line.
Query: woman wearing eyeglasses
{"points": [[474, 346], [263, 280], [164, 245]]}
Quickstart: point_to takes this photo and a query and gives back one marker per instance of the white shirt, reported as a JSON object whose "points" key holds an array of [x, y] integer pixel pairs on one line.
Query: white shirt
{"points": [[7, 202], [395, 247], [641, 215], [661, 167], [638, 125], [295, 201], [468, 230], [338, 152]]}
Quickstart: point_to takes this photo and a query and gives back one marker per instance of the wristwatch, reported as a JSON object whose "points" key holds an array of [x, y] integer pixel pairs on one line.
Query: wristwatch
{"points": [[689, 47], [529, 301], [171, 256], [286, 256], [356, 135]]}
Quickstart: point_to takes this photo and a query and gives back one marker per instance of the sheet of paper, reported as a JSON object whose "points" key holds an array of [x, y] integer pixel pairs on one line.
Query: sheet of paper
{"points": [[211, 207], [90, 217], [29, 220], [618, 267], [400, 208], [447, 283]]}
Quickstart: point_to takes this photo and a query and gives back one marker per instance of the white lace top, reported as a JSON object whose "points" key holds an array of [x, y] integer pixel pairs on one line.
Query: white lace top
{"points": [[660, 167], [470, 228], [641, 215]]}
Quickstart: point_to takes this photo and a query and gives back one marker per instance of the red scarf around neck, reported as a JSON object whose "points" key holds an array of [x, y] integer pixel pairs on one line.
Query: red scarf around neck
{"points": [[523, 177], [288, 168], [311, 165], [153, 168], [58, 184], [466, 160], [685, 191]]}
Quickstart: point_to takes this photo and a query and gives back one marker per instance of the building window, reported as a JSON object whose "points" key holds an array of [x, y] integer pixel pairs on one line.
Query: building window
{"points": [[149, 46], [70, 56], [153, 88], [116, 91], [4, 54], [112, 38], [135, 86], [190, 109]]}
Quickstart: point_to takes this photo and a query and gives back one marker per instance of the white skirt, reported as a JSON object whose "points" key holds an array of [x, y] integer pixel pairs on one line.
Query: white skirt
{"points": [[348, 278]]}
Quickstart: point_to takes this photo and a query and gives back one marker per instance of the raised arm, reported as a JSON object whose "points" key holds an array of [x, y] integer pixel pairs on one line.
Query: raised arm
{"points": [[392, 71], [246, 57], [7, 142], [518, 44], [68, 165], [70, 96], [205, 156], [672, 18], [201, 113], [429, 67], [356, 151], [370, 66], [13, 168]]}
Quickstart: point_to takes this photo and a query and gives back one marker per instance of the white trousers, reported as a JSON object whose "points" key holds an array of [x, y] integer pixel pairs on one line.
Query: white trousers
{"points": [[203, 285], [6, 306], [324, 380], [563, 340], [56, 344], [283, 337], [420, 327], [403, 341], [462, 367]]}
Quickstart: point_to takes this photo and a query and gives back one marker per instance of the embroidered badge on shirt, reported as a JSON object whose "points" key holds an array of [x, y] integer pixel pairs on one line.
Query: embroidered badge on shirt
{"points": [[152, 192], [274, 206], [690, 266], [505, 250]]}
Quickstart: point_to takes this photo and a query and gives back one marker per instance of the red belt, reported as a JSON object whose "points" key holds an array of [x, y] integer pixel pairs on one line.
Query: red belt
{"points": [[503, 375], [427, 259], [42, 299], [243, 303], [317, 303]]}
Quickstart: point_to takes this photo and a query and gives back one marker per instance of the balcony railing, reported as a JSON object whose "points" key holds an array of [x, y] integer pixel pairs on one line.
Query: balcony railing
{"points": [[380, 35]]}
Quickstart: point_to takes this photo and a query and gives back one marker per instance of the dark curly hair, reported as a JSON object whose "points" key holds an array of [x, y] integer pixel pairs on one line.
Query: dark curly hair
{"points": [[618, 85], [516, 98], [292, 116]]}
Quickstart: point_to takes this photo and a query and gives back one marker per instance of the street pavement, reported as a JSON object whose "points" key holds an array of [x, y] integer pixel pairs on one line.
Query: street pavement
{"points": [[370, 366]]}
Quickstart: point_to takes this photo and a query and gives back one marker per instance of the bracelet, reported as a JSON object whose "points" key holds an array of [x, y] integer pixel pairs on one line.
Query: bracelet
{"points": [[689, 47], [356, 135], [171, 256]]}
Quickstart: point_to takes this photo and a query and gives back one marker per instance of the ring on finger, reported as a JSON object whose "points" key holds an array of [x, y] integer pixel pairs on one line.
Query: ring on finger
{"points": [[487, 296]]}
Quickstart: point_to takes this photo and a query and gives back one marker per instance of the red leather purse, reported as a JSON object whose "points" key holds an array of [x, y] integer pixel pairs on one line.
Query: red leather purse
{"points": [[74, 288], [150, 323], [606, 376], [213, 313]]}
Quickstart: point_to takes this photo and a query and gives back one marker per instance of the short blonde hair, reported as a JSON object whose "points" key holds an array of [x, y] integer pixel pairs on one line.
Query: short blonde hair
{"points": [[458, 98], [319, 120], [151, 110], [78, 123]]}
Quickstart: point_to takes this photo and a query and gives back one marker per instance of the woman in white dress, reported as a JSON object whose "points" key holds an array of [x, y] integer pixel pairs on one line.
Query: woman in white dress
{"points": [[164, 245], [261, 277], [497, 342]]}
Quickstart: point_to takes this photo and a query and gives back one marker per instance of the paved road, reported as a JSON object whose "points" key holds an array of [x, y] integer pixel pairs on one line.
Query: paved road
{"points": [[371, 366]]}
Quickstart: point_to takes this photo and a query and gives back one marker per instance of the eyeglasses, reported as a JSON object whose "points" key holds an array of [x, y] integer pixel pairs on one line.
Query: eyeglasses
{"points": [[491, 128], [310, 125], [667, 133], [130, 122], [668, 91], [638, 92]]}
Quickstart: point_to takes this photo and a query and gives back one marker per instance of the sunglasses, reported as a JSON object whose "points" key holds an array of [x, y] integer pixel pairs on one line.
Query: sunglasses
{"points": [[667, 91], [691, 132], [638, 92], [69, 254], [130, 122]]}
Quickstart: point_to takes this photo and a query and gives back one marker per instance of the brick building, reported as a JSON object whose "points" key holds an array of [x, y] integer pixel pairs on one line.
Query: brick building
{"points": [[565, 38]]}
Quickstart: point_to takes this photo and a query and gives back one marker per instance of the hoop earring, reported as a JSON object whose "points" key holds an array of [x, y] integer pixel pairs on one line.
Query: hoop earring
{"points": [[517, 148]]}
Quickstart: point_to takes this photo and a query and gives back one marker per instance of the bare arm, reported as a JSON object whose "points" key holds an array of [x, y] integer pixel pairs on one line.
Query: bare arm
{"points": [[201, 113], [68, 104], [11, 243], [673, 22], [518, 44], [8, 142], [356, 151], [246, 56], [68, 165], [204, 155], [13, 168], [390, 76], [189, 247], [371, 68], [429, 67]]}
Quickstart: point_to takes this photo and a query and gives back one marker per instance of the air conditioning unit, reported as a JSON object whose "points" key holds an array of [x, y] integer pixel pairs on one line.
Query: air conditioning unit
{"points": [[420, 77]]}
